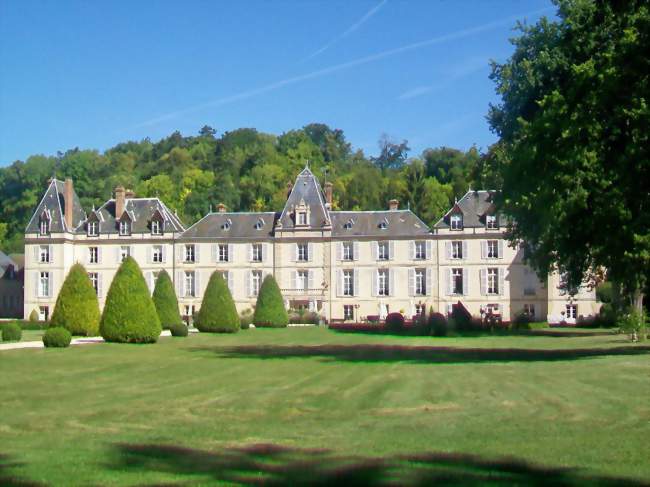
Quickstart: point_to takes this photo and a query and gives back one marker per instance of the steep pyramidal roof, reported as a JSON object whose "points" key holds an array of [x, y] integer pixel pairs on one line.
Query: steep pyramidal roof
{"points": [[306, 192], [52, 205]]}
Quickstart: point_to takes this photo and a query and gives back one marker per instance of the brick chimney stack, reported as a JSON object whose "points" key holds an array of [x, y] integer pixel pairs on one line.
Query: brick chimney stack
{"points": [[120, 201], [393, 205], [67, 201], [329, 188], [221, 208]]}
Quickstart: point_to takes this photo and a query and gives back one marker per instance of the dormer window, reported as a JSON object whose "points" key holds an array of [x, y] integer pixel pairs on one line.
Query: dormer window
{"points": [[383, 225], [302, 218], [92, 229], [125, 227], [44, 226], [259, 224], [456, 222], [156, 227], [227, 224], [491, 222], [301, 213], [348, 224]]}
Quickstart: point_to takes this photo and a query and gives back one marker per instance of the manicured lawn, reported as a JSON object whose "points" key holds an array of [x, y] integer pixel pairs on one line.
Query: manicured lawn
{"points": [[314, 405]]}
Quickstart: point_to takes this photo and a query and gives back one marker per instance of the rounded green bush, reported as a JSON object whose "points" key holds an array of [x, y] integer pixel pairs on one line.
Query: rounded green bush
{"points": [[77, 308], [395, 322], [178, 329], [218, 313], [269, 309], [11, 332], [438, 324], [57, 337], [164, 298], [129, 313]]}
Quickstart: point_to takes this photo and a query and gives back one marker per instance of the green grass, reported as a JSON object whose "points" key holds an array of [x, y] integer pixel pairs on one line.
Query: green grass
{"points": [[309, 404]]}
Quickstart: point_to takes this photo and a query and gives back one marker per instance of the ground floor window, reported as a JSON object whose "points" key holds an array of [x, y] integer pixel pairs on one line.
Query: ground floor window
{"points": [[420, 309], [190, 284], [492, 309], [457, 281], [529, 310], [44, 285], [188, 312], [348, 312], [94, 280], [43, 313], [571, 311]]}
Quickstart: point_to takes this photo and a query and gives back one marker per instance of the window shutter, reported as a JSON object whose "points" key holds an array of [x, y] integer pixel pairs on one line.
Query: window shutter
{"points": [[50, 288], [465, 253], [180, 284], [231, 253], [483, 249], [483, 277], [428, 281], [197, 283], [391, 252], [231, 281], [375, 278], [412, 247], [100, 286], [355, 251], [448, 250], [465, 282], [249, 283], [37, 251], [264, 246], [215, 252], [164, 253], [391, 282], [180, 253], [50, 252], [88, 255], [429, 248], [149, 254], [411, 282], [150, 281], [117, 254], [197, 253], [374, 249], [99, 255], [294, 257], [294, 280], [310, 251], [355, 276], [37, 284], [339, 251], [501, 281], [310, 279], [448, 279], [250, 253], [339, 282], [500, 245]]}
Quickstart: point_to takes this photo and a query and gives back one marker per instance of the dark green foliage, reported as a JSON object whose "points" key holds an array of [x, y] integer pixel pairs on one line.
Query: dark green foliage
{"points": [[246, 319], [27, 325], [269, 309], [129, 314], [304, 317], [33, 316], [164, 298], [178, 329], [421, 323], [218, 313], [521, 322], [462, 317], [57, 337], [77, 308], [395, 322], [11, 332], [438, 324]]}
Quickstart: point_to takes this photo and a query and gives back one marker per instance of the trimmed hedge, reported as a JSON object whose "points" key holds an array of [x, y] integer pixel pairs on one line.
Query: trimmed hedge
{"points": [[218, 313], [129, 314], [178, 329], [57, 337], [11, 332], [395, 322], [77, 308], [269, 309], [164, 298]]}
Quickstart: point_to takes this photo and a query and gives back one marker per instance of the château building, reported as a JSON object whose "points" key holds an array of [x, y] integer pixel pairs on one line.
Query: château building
{"points": [[346, 265]]}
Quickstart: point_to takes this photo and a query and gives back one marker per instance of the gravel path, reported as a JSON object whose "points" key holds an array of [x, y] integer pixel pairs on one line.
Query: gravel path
{"points": [[75, 341]]}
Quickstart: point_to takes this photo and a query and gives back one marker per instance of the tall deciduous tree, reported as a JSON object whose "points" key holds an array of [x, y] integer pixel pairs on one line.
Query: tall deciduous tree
{"points": [[573, 124]]}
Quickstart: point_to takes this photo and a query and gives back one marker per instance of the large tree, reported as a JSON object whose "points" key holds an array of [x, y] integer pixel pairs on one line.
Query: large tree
{"points": [[574, 150]]}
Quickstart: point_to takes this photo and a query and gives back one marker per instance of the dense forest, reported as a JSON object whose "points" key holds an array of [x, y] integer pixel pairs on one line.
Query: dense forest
{"points": [[246, 170]]}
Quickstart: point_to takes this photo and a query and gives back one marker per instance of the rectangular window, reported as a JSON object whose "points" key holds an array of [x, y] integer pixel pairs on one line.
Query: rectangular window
{"points": [[157, 254], [420, 250], [94, 280], [43, 313], [456, 222], [256, 282], [44, 254], [93, 229], [383, 282], [302, 218], [44, 285], [256, 252], [457, 281], [492, 280], [302, 252], [44, 227], [457, 249], [125, 227], [190, 287], [302, 278], [571, 311], [223, 253], [93, 255], [156, 227], [348, 282], [383, 251], [189, 310], [125, 251], [529, 310], [492, 249], [420, 282], [491, 222], [348, 312], [190, 253], [348, 251]]}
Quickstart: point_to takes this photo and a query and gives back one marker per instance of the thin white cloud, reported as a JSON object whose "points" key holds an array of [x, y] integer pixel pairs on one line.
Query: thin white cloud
{"points": [[349, 30], [460, 34]]}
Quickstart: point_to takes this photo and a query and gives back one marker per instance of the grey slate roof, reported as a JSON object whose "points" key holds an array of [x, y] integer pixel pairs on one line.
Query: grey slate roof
{"points": [[233, 225], [474, 205], [140, 211], [5, 261], [306, 189], [399, 223], [52, 204]]}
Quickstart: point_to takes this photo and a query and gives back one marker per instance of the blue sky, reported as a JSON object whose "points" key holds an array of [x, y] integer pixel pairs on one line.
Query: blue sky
{"points": [[91, 74]]}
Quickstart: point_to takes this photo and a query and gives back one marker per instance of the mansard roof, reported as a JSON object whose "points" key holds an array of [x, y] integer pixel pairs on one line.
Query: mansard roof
{"points": [[140, 212], [474, 206], [52, 204], [386, 223], [307, 191], [233, 225]]}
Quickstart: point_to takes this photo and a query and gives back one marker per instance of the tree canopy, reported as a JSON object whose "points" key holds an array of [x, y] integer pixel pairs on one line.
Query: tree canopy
{"points": [[573, 151]]}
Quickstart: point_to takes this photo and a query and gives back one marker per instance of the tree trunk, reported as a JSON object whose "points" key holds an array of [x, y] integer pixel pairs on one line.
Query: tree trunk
{"points": [[637, 301]]}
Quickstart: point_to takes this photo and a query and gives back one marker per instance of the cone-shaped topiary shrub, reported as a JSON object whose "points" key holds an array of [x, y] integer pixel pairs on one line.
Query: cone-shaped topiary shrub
{"points": [[129, 313], [164, 297], [77, 308], [270, 310], [57, 337], [218, 312]]}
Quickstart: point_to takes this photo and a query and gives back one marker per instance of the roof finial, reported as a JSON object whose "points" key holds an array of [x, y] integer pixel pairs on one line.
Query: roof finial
{"points": [[408, 205], [307, 164], [210, 207]]}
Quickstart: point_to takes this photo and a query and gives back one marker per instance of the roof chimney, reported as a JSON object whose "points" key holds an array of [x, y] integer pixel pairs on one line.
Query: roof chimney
{"points": [[393, 205], [289, 188], [67, 201], [221, 208], [130, 194], [328, 194], [120, 203]]}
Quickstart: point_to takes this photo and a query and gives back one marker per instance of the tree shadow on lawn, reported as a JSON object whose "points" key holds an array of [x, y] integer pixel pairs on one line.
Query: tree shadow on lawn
{"points": [[8, 479], [416, 354], [267, 464]]}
